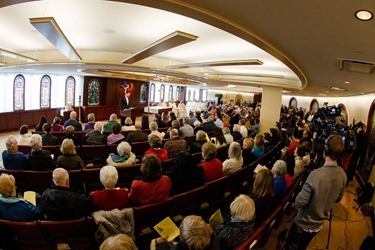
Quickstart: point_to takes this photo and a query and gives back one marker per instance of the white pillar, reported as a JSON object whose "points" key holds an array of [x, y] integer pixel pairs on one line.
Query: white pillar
{"points": [[271, 104]]}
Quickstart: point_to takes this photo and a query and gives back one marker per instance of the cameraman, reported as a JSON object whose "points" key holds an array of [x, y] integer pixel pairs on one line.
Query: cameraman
{"points": [[323, 187]]}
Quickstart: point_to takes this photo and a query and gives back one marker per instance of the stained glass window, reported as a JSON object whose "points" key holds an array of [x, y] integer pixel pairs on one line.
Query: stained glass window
{"points": [[189, 95], [70, 85], [162, 91], [93, 92], [45, 92], [178, 93], [152, 92], [170, 92], [19, 92]]}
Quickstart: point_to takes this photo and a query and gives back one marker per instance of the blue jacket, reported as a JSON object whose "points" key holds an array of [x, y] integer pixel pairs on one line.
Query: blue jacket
{"points": [[16, 209], [14, 161]]}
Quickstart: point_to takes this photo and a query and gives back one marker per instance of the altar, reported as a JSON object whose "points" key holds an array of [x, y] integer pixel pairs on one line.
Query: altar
{"points": [[157, 110]]}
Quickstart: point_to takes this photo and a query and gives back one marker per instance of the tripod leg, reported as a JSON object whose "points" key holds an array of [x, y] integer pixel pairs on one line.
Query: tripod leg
{"points": [[329, 228]]}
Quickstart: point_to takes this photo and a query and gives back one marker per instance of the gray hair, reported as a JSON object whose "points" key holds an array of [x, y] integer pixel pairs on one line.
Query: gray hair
{"points": [[10, 142], [201, 135], [124, 148], [234, 150], [91, 117], [98, 126], [108, 176], [36, 142], [279, 168], [128, 121], [59, 176], [73, 115], [236, 128], [153, 126], [113, 117], [173, 132], [197, 123], [243, 208]]}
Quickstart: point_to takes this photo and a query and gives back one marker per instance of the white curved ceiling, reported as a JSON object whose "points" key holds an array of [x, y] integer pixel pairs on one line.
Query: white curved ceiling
{"points": [[303, 41]]}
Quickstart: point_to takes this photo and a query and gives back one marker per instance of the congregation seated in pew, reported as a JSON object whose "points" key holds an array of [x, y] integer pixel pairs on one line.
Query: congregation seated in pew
{"points": [[69, 159], [14, 208], [175, 144], [39, 159], [48, 139], [12, 159], [156, 148], [125, 156], [115, 137], [185, 174], [69, 134], [152, 186], [95, 137], [136, 135], [110, 197], [213, 167], [61, 203], [235, 161]]}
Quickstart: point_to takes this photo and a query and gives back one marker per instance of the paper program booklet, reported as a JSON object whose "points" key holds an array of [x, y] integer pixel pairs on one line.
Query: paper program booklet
{"points": [[167, 229], [30, 196], [216, 219]]}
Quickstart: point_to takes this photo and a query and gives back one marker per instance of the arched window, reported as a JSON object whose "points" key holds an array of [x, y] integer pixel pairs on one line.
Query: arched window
{"points": [[189, 94], [143, 92], [293, 103], [93, 92], [19, 93], [170, 92], [70, 86], [162, 91], [343, 113], [314, 105], [152, 92], [194, 95], [45, 92], [178, 93]]}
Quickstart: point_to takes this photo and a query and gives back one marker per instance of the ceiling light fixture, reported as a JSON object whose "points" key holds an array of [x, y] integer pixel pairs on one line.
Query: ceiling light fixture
{"points": [[49, 28], [170, 41], [336, 88], [217, 64], [363, 15], [17, 56]]}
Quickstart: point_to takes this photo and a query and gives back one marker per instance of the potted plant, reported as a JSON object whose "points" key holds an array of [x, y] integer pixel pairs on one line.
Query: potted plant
{"points": [[219, 97]]}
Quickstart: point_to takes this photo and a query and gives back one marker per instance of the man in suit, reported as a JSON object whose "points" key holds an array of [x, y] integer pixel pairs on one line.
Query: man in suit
{"points": [[124, 104]]}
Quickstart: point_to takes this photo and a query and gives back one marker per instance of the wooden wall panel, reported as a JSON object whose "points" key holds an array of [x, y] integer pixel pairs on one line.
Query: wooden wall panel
{"points": [[3, 123], [13, 121], [27, 118]]}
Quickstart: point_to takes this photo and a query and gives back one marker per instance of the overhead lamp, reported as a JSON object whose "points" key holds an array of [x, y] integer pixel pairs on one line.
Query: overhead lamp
{"points": [[49, 28], [363, 15], [172, 40], [217, 64], [14, 55]]}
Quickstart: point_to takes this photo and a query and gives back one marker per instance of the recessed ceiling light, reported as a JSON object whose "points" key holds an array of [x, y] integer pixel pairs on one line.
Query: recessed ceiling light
{"points": [[347, 82], [363, 15], [231, 86]]}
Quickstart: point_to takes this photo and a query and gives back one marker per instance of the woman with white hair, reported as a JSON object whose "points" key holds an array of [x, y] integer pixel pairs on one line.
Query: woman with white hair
{"points": [[235, 160], [125, 156], [154, 130], [39, 159], [129, 126], [110, 197], [279, 170], [11, 207], [241, 224]]}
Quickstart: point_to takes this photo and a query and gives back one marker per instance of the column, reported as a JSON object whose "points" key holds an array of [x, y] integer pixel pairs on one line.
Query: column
{"points": [[270, 111]]}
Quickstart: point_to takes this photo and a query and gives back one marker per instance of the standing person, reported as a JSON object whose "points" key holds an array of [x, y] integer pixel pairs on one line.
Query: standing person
{"points": [[359, 154], [124, 104], [323, 187]]}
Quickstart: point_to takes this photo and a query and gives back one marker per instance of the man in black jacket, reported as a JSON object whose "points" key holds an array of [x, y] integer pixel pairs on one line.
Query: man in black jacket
{"points": [[61, 203]]}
